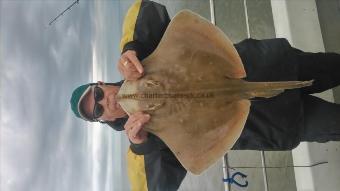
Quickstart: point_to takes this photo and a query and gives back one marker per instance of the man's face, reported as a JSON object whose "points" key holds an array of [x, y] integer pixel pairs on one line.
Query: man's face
{"points": [[111, 108]]}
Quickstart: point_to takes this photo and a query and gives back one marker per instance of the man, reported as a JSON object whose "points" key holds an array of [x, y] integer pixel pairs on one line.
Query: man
{"points": [[279, 123]]}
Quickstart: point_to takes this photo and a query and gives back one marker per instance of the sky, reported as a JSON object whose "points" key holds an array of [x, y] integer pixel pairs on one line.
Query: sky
{"points": [[43, 146]]}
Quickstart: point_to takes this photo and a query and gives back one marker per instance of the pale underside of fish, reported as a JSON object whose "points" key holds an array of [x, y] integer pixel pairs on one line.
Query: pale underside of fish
{"points": [[194, 91]]}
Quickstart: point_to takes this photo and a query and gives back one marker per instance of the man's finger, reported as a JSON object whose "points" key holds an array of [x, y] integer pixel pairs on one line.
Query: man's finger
{"points": [[141, 119], [125, 63], [135, 130], [128, 125], [132, 120], [136, 63], [134, 76], [129, 72], [136, 117]]}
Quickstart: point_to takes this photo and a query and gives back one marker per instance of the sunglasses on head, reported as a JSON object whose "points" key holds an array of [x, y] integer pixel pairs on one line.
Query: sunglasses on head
{"points": [[98, 95]]}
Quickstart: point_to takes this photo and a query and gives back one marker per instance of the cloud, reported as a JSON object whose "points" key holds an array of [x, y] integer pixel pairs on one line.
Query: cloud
{"points": [[107, 37], [43, 147]]}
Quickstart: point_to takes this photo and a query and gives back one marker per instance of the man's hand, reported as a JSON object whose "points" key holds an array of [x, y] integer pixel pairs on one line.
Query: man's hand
{"points": [[134, 127], [129, 65]]}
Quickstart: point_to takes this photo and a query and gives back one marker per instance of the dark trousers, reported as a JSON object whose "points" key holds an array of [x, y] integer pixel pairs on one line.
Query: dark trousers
{"points": [[321, 118]]}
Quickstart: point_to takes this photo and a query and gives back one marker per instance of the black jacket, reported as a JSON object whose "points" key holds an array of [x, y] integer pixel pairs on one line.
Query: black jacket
{"points": [[274, 123]]}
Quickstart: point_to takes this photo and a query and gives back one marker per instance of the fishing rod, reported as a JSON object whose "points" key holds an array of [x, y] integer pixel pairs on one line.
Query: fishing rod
{"points": [[68, 8]]}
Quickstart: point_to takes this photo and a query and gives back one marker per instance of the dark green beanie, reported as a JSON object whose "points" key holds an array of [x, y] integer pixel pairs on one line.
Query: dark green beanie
{"points": [[77, 96]]}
